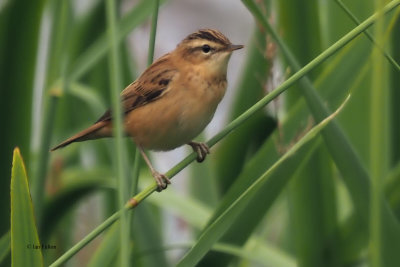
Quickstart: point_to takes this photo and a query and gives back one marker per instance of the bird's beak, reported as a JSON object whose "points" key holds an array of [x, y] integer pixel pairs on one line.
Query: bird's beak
{"points": [[235, 47]]}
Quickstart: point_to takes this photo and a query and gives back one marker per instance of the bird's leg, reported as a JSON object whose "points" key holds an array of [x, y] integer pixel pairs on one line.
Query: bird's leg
{"points": [[201, 149], [161, 180]]}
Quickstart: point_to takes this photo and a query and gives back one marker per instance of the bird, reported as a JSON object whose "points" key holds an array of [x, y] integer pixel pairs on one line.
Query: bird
{"points": [[173, 100]]}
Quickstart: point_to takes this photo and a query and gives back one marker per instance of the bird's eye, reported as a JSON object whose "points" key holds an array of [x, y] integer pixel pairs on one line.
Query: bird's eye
{"points": [[206, 48]]}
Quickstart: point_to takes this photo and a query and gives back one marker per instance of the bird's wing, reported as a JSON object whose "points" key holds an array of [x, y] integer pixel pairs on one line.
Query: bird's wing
{"points": [[149, 87]]}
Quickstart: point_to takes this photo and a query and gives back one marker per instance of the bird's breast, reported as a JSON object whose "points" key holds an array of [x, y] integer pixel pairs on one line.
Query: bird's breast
{"points": [[178, 116], [198, 108]]}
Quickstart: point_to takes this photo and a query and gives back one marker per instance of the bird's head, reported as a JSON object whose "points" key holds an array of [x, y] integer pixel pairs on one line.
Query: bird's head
{"points": [[207, 48]]}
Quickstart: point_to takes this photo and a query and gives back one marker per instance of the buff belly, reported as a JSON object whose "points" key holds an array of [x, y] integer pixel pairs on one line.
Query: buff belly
{"points": [[168, 125]]}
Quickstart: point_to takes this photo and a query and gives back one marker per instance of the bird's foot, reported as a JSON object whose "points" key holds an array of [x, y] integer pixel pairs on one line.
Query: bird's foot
{"points": [[161, 180], [201, 149]]}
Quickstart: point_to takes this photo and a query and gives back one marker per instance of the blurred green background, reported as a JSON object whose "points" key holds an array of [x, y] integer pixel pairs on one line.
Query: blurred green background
{"points": [[335, 202]]}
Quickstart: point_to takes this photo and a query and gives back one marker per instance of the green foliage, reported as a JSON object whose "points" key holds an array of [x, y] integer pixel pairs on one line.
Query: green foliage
{"points": [[25, 245], [18, 46], [232, 151], [295, 186], [217, 228], [5, 246]]}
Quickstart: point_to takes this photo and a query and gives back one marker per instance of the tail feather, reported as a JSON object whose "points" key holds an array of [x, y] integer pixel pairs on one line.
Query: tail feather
{"points": [[89, 133]]}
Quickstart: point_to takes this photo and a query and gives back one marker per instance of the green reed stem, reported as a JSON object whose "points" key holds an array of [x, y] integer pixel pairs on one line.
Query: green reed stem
{"points": [[378, 147], [152, 39], [120, 151]]}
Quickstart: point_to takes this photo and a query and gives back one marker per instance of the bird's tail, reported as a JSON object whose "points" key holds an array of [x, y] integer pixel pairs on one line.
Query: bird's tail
{"points": [[93, 132]]}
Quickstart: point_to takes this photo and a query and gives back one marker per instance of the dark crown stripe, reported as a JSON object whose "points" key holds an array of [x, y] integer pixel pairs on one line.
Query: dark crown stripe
{"points": [[210, 35]]}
